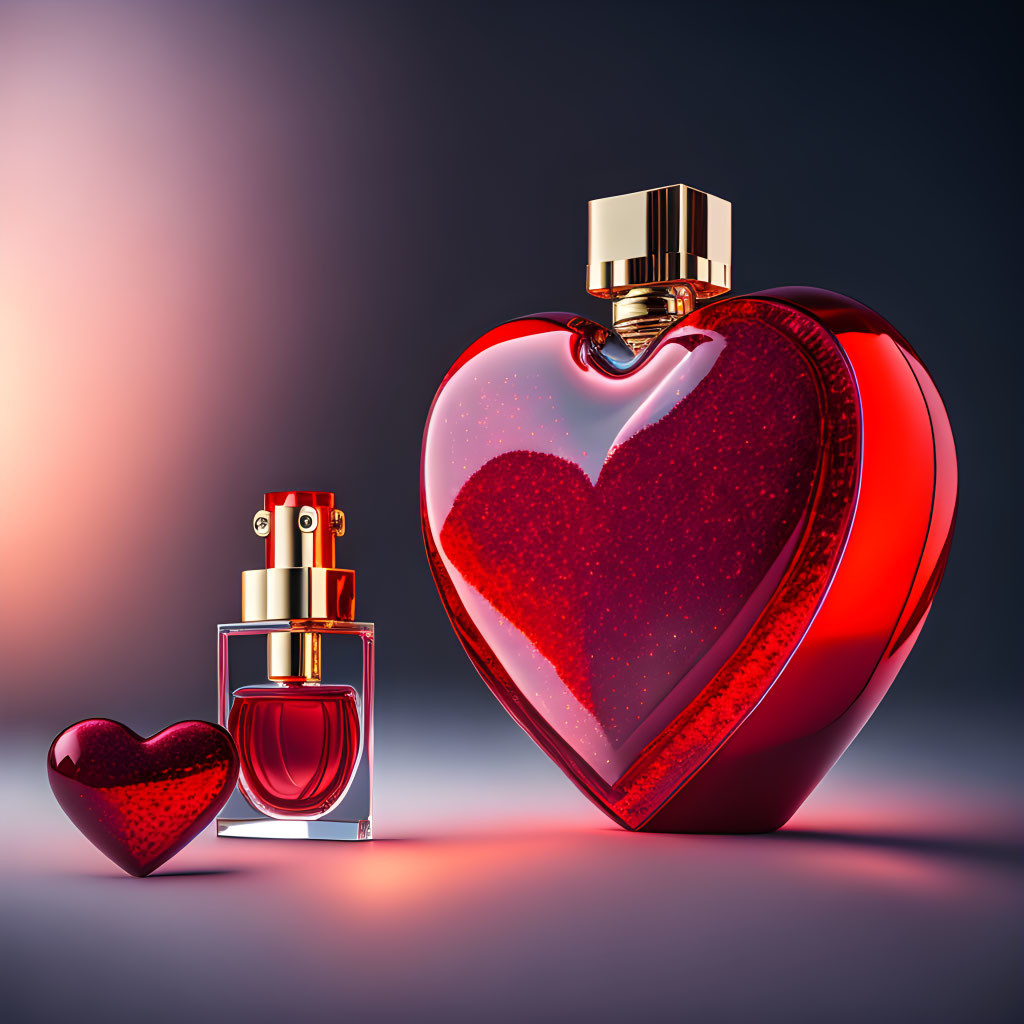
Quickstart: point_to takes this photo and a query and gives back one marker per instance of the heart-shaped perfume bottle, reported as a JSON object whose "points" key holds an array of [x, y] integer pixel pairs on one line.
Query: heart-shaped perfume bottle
{"points": [[689, 555]]}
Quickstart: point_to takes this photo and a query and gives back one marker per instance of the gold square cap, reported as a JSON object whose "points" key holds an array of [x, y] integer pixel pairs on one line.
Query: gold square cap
{"points": [[668, 236]]}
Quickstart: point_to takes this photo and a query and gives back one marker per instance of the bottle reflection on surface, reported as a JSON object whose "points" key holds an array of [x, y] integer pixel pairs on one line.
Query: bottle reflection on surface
{"points": [[298, 746]]}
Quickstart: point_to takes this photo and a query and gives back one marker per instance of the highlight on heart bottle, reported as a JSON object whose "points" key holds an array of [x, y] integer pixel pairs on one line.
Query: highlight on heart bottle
{"points": [[295, 681]]}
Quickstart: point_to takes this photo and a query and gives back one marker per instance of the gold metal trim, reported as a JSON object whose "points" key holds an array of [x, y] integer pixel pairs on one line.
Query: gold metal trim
{"points": [[660, 237], [293, 657], [641, 314], [305, 592]]}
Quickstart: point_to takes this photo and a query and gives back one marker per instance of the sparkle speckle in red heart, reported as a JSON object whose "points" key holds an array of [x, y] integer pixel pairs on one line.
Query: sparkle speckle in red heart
{"points": [[141, 801]]}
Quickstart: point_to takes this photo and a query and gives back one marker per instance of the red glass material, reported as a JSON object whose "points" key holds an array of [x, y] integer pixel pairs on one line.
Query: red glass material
{"points": [[692, 576], [139, 800], [298, 745]]}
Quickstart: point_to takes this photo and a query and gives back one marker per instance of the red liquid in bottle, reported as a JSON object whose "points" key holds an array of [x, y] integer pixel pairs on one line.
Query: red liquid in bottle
{"points": [[298, 746]]}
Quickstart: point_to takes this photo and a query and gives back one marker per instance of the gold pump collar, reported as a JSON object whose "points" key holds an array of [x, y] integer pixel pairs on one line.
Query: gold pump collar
{"points": [[663, 237]]}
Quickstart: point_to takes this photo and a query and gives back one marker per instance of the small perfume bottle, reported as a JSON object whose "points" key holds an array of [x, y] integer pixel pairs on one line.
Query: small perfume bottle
{"points": [[305, 736], [689, 553]]}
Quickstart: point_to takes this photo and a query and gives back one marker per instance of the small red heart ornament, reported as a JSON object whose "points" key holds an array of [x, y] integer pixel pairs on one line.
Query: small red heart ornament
{"points": [[139, 800]]}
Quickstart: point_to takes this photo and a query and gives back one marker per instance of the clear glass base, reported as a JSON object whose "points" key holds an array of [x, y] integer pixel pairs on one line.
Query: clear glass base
{"points": [[302, 748], [276, 828]]}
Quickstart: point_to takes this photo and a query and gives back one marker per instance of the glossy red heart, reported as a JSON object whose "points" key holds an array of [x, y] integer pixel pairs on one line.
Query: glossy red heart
{"points": [[139, 800], [691, 575]]}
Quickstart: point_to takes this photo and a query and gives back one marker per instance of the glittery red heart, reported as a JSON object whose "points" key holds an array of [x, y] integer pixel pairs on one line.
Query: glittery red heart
{"points": [[633, 552], [688, 517], [139, 800]]}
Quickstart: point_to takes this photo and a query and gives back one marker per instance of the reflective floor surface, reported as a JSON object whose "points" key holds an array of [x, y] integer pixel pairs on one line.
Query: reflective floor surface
{"points": [[495, 892]]}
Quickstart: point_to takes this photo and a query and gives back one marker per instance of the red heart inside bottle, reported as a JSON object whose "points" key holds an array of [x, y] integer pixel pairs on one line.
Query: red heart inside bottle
{"points": [[636, 585], [298, 746]]}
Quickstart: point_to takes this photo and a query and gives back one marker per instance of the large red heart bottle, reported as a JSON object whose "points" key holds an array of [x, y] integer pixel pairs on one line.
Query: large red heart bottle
{"points": [[689, 554]]}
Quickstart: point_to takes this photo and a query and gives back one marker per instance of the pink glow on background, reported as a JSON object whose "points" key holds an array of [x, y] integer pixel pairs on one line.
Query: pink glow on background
{"points": [[143, 281], [191, 195]]}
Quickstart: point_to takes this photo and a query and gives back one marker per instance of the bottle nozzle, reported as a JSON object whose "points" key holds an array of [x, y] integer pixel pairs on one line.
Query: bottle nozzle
{"points": [[300, 581]]}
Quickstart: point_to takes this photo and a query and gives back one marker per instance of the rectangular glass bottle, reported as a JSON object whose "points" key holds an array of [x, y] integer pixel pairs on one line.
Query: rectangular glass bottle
{"points": [[295, 681], [305, 750]]}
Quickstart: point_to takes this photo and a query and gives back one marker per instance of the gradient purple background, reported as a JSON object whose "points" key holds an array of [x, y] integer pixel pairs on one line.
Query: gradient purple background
{"points": [[240, 245]]}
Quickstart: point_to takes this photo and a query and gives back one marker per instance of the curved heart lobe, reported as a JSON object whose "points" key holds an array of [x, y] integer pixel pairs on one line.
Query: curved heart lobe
{"points": [[139, 800]]}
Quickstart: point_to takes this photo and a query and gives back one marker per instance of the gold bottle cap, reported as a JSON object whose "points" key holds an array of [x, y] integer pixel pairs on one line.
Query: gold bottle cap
{"points": [[675, 235]]}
